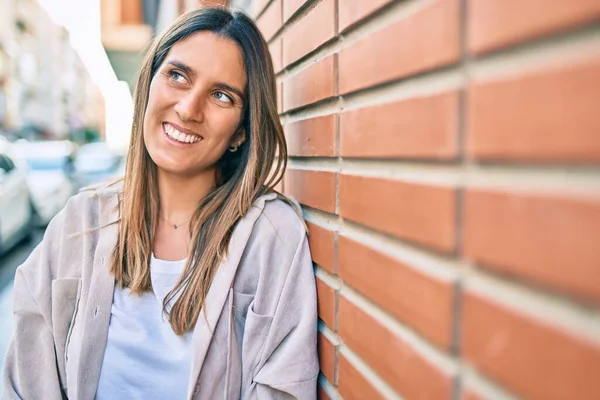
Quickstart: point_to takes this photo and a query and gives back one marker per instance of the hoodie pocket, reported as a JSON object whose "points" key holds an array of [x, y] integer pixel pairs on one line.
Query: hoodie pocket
{"points": [[65, 302], [256, 332]]}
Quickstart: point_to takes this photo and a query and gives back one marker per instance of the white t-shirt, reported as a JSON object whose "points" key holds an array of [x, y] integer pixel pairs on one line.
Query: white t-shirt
{"points": [[144, 358]]}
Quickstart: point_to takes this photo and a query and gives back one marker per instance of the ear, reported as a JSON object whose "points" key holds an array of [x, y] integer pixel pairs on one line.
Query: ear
{"points": [[238, 138]]}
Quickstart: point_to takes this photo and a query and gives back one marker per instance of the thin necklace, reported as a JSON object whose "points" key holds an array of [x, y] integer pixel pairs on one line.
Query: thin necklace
{"points": [[175, 226]]}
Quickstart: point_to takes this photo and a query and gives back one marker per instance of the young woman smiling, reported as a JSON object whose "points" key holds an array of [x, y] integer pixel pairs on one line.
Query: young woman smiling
{"points": [[191, 278]]}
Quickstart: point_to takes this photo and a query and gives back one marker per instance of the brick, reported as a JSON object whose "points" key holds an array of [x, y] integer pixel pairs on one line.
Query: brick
{"points": [[552, 241], [313, 137], [310, 32], [322, 394], [258, 6], [355, 10], [420, 301], [322, 246], [425, 40], [212, 3], [548, 115], [275, 49], [420, 213], [423, 127], [493, 24], [326, 357], [533, 359], [279, 187], [353, 385], [315, 189], [280, 98], [270, 21], [471, 395], [290, 7], [406, 370], [313, 84], [326, 303]]}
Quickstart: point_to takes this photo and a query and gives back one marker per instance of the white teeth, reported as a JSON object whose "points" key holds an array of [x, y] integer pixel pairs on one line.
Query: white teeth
{"points": [[180, 136]]}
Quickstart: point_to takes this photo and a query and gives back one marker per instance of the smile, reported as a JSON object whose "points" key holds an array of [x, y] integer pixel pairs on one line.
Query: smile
{"points": [[178, 136]]}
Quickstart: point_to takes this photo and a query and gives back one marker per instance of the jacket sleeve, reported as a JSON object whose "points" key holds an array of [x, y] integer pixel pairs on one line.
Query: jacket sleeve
{"points": [[30, 367], [288, 367]]}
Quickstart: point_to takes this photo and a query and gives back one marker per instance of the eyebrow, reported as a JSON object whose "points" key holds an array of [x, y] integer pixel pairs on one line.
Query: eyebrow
{"points": [[181, 66], [220, 85], [225, 86]]}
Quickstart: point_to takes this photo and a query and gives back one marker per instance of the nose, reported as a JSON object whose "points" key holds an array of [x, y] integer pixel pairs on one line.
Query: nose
{"points": [[190, 108]]}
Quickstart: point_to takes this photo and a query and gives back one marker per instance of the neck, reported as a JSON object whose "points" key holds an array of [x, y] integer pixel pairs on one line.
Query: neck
{"points": [[180, 195]]}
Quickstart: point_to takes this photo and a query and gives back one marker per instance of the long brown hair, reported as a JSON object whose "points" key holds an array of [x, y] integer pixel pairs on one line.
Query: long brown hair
{"points": [[243, 176]]}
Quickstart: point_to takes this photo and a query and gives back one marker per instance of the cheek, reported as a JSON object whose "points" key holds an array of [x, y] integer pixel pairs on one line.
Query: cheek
{"points": [[152, 112], [227, 123], [153, 101]]}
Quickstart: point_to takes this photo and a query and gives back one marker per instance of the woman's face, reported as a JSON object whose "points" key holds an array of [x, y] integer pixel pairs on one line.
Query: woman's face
{"points": [[195, 104]]}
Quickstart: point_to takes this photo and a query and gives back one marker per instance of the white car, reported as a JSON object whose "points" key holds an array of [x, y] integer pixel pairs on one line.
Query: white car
{"points": [[15, 203], [96, 162], [49, 167]]}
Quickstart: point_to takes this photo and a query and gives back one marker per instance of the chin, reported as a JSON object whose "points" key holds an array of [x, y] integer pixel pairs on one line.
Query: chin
{"points": [[175, 162], [178, 168]]}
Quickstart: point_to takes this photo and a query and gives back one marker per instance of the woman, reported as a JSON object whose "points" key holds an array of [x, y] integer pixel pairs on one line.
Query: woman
{"points": [[191, 278]]}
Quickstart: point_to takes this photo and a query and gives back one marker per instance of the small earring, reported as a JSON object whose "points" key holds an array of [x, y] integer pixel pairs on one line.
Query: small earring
{"points": [[233, 149]]}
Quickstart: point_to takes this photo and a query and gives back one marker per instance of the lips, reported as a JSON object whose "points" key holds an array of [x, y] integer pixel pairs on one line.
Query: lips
{"points": [[180, 135]]}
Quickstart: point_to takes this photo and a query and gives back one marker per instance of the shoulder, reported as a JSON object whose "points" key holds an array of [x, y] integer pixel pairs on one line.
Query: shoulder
{"points": [[103, 191], [91, 202], [280, 221], [277, 252], [66, 242], [90, 208]]}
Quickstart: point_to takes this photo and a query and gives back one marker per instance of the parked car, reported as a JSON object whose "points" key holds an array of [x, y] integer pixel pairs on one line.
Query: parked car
{"points": [[16, 211], [96, 162], [50, 167]]}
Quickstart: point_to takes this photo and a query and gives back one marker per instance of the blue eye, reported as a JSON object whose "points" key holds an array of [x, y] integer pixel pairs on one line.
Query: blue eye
{"points": [[177, 77], [220, 96]]}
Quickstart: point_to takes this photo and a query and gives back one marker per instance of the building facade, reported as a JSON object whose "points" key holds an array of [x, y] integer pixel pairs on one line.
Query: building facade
{"points": [[45, 92]]}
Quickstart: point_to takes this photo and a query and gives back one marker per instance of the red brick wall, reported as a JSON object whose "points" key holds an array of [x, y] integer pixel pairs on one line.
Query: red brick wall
{"points": [[447, 154]]}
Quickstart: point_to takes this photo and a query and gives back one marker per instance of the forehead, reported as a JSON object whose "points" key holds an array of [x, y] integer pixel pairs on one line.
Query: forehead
{"points": [[211, 57]]}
